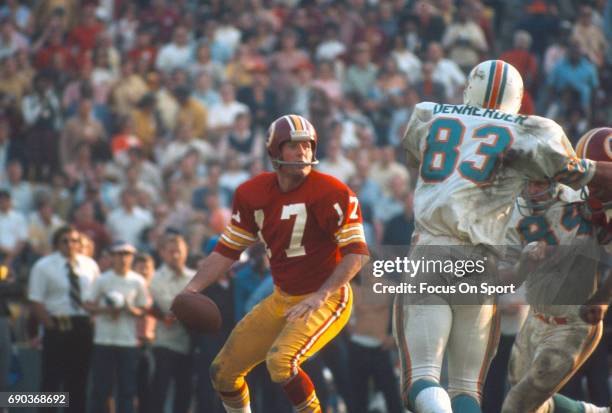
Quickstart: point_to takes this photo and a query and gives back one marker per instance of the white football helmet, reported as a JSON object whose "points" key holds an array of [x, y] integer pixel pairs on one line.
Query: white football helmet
{"points": [[494, 84]]}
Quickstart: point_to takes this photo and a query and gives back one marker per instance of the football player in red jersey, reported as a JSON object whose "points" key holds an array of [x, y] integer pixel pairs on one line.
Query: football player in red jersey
{"points": [[312, 228]]}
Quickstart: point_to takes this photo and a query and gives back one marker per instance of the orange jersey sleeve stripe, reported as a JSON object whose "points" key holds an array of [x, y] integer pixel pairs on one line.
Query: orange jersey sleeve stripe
{"points": [[230, 244], [348, 227], [353, 240]]}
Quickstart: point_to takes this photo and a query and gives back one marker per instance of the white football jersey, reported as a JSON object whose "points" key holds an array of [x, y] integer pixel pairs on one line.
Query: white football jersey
{"points": [[567, 276], [473, 163]]}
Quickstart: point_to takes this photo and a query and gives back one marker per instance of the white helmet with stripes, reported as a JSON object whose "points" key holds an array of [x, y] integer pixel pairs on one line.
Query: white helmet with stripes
{"points": [[494, 84]]}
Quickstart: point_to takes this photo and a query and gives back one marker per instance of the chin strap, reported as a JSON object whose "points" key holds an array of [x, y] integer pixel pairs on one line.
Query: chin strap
{"points": [[278, 163]]}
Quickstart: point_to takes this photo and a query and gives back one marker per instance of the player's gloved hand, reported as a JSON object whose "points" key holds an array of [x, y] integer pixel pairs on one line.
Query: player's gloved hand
{"points": [[306, 307], [593, 313]]}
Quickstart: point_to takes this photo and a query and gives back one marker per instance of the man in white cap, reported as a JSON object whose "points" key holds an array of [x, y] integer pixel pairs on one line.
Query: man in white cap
{"points": [[118, 298]]}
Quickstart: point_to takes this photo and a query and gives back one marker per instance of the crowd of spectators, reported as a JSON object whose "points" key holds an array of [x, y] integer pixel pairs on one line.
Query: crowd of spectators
{"points": [[132, 120]]}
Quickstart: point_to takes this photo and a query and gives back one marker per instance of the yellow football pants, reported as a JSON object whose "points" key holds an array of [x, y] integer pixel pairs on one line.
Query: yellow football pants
{"points": [[264, 334]]}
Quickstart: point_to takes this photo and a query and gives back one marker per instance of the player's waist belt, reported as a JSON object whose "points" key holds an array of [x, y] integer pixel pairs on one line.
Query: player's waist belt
{"points": [[67, 323], [549, 319]]}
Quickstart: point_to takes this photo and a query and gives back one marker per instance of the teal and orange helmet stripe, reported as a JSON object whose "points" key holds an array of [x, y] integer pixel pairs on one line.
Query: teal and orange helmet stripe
{"points": [[496, 85]]}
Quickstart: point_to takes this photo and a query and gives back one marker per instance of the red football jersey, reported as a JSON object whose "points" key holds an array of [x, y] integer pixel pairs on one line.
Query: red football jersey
{"points": [[306, 230]]}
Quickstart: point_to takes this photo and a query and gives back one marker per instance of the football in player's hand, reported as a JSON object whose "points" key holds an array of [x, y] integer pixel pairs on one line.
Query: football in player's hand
{"points": [[197, 312]]}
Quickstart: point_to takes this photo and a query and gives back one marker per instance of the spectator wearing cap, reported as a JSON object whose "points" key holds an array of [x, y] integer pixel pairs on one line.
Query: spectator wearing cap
{"points": [[191, 111], [58, 286], [118, 298], [128, 220], [176, 54], [13, 230], [172, 346]]}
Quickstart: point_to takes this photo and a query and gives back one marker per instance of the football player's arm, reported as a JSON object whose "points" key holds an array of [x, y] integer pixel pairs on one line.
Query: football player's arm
{"points": [[237, 236], [210, 270], [594, 310], [346, 269]]}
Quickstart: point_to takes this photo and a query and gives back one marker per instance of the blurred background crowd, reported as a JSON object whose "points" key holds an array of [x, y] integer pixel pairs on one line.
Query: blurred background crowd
{"points": [[136, 121]]}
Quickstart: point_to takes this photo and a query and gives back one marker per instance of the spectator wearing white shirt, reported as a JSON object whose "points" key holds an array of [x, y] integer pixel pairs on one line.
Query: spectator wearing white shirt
{"points": [[128, 220], [172, 346], [330, 47], [446, 72], [221, 117], [407, 61], [177, 54], [22, 192], [385, 168], [58, 285], [465, 40], [335, 163], [118, 298], [13, 230], [11, 41]]}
